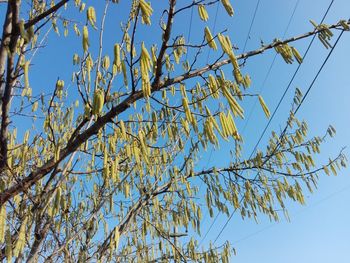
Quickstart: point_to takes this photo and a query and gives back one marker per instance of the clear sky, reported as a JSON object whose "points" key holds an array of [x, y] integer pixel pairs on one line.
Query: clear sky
{"points": [[320, 231]]}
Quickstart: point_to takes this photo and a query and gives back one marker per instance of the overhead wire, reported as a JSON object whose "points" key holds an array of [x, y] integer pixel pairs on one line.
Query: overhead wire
{"points": [[251, 25], [189, 30], [289, 85], [308, 90], [214, 26], [270, 68], [245, 43], [216, 217]]}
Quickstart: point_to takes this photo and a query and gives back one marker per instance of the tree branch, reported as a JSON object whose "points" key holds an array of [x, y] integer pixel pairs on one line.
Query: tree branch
{"points": [[10, 79], [166, 37], [157, 85], [246, 55], [45, 14]]}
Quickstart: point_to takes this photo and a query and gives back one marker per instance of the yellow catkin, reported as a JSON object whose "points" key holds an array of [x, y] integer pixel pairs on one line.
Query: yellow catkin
{"points": [[297, 55], [125, 76], [146, 66], [209, 38], [87, 110], [57, 200], [203, 14], [247, 81], [345, 25], [235, 107], [264, 107], [60, 85], [26, 74], [2, 223], [91, 15], [226, 46], [224, 125], [82, 7], [116, 237], [85, 39], [154, 55], [186, 107], [23, 32], [106, 63], [117, 60], [146, 12], [123, 130], [228, 7], [21, 238], [232, 126], [213, 121], [8, 248], [212, 84], [98, 102]]}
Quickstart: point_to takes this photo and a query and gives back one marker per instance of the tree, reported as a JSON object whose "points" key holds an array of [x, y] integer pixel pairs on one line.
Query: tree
{"points": [[107, 171]]}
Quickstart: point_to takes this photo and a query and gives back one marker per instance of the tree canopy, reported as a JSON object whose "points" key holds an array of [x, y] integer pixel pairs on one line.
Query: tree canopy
{"points": [[104, 167]]}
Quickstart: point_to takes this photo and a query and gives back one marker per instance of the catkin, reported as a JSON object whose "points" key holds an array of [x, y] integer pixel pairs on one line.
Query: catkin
{"points": [[345, 25], [297, 55], [98, 102], [212, 84], [123, 130], [21, 238], [232, 126], [264, 107], [85, 39], [203, 14], [106, 63], [116, 237], [146, 66], [228, 7], [209, 38], [8, 247], [26, 74], [23, 32], [60, 85], [117, 60], [125, 76], [146, 12], [2, 223], [91, 16], [87, 111], [187, 109], [226, 46], [235, 107]]}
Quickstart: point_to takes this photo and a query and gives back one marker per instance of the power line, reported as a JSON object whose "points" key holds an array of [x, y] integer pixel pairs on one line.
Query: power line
{"points": [[245, 44], [189, 30], [285, 31], [280, 101], [251, 26], [319, 71], [214, 26], [270, 68], [288, 86], [307, 92]]}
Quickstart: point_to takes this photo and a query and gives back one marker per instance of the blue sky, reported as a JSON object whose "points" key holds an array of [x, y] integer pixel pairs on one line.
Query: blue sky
{"points": [[319, 231]]}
